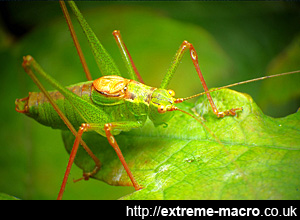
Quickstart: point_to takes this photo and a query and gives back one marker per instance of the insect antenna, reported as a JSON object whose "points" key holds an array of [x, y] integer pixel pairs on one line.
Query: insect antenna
{"points": [[179, 100], [174, 108]]}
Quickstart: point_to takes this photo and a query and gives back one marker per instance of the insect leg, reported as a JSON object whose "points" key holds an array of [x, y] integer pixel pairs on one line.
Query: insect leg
{"points": [[194, 58], [176, 60], [132, 70], [83, 128], [28, 64], [108, 127], [75, 40], [105, 63]]}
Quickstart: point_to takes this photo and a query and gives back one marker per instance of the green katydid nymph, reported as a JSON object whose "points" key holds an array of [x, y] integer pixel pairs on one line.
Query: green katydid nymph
{"points": [[110, 104]]}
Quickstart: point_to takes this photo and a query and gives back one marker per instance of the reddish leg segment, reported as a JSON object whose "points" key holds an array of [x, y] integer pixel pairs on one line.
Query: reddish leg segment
{"points": [[107, 128], [73, 153], [178, 56], [29, 64], [194, 57], [83, 128], [127, 57], [75, 40]]}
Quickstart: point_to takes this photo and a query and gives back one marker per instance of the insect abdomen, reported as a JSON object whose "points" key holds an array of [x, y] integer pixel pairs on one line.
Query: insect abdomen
{"points": [[37, 106]]}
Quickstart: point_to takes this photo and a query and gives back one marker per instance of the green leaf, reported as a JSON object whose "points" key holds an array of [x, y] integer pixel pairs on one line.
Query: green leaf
{"points": [[258, 157]]}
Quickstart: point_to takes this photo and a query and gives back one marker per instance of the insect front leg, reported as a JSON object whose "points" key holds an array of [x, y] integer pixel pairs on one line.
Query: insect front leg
{"points": [[176, 60]]}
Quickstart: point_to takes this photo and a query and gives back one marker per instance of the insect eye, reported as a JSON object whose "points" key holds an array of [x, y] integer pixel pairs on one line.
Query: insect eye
{"points": [[162, 109], [171, 92]]}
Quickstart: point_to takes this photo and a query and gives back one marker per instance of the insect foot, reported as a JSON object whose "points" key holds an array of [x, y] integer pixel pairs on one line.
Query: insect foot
{"points": [[88, 175], [231, 112], [26, 61]]}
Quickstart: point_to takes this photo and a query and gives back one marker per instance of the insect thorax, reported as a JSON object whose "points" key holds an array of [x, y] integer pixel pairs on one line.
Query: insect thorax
{"points": [[131, 98]]}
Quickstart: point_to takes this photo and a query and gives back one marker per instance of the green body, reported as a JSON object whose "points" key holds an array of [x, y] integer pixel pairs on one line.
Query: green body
{"points": [[40, 109], [140, 101]]}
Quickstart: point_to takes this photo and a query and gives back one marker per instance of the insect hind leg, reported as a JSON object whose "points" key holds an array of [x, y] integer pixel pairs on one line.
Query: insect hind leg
{"points": [[132, 70]]}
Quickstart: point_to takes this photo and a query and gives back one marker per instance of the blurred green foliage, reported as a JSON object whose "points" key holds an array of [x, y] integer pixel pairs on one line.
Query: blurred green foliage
{"points": [[245, 40]]}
